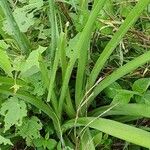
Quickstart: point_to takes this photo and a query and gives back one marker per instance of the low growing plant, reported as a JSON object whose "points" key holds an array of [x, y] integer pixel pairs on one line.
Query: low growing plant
{"points": [[50, 96]]}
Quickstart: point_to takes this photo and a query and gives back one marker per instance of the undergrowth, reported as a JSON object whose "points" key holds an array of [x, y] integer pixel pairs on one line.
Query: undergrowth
{"points": [[74, 74]]}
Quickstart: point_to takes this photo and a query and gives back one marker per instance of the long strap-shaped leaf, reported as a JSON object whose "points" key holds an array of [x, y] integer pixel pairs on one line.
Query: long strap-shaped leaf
{"points": [[127, 68], [131, 18], [52, 20], [140, 110], [116, 129], [83, 50], [18, 36], [69, 110], [84, 37]]}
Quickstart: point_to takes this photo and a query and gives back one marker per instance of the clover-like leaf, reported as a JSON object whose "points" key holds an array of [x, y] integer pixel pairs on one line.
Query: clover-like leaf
{"points": [[13, 111]]}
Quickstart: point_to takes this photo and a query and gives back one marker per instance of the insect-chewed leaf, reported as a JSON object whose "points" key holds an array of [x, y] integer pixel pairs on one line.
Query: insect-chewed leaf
{"points": [[30, 129], [13, 110], [5, 141], [71, 49], [24, 16]]}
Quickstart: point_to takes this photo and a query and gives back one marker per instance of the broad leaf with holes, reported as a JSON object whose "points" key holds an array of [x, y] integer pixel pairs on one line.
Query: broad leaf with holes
{"points": [[24, 16], [30, 129], [13, 110]]}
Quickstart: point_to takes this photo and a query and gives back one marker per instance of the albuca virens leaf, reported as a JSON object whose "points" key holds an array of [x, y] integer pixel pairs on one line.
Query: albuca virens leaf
{"points": [[13, 111]]}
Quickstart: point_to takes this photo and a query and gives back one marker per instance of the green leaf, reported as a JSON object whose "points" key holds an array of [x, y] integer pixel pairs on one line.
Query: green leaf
{"points": [[37, 83], [97, 138], [82, 47], [123, 97], [141, 85], [38, 142], [125, 9], [18, 62], [20, 38], [116, 129], [144, 99], [120, 72], [5, 141], [54, 28], [13, 110], [3, 44], [34, 4], [71, 50], [51, 144], [23, 20], [82, 43], [31, 65], [24, 17], [22, 1], [87, 140], [5, 62], [128, 22], [111, 90], [136, 110], [30, 129]]}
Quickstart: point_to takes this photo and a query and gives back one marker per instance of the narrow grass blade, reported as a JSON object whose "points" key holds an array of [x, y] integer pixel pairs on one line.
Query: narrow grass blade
{"points": [[18, 36], [131, 18], [116, 129], [69, 106], [53, 73]]}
